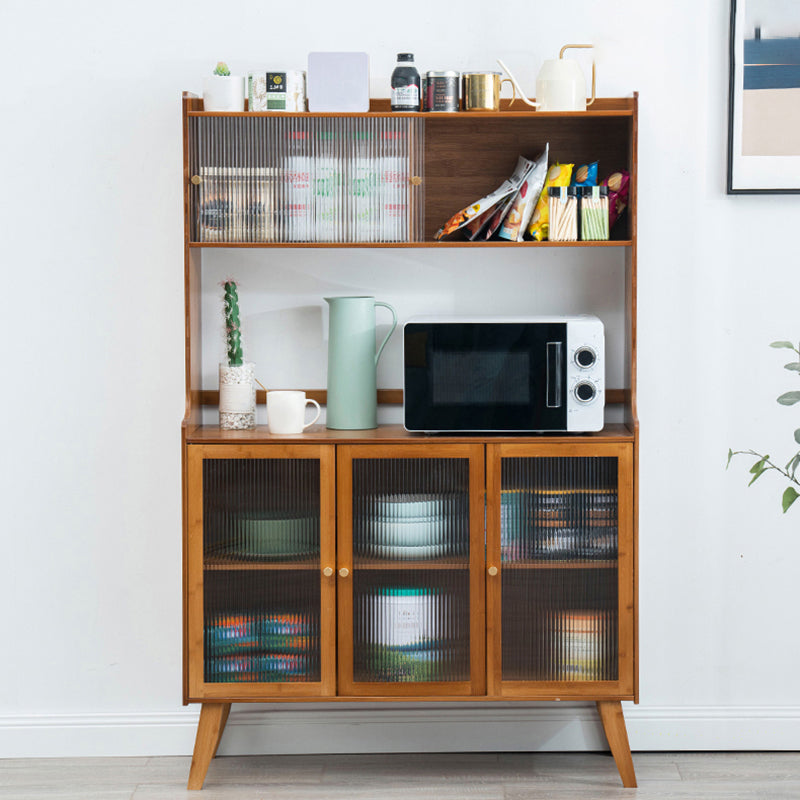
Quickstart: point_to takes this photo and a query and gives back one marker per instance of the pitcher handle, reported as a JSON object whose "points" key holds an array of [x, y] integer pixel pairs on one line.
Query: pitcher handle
{"points": [[394, 325]]}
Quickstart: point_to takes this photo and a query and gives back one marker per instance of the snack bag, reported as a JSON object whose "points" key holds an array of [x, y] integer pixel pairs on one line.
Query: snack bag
{"points": [[585, 175], [557, 175], [505, 189], [477, 224], [617, 184], [521, 208], [496, 217]]}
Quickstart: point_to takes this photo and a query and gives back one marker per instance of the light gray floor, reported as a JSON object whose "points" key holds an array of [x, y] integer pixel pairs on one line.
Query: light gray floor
{"points": [[468, 776]]}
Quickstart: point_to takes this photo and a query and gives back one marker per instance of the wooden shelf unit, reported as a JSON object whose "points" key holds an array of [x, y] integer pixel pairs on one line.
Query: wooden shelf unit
{"points": [[339, 587]]}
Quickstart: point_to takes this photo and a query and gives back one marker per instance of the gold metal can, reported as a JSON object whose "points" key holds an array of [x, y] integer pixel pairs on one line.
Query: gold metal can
{"points": [[481, 90]]}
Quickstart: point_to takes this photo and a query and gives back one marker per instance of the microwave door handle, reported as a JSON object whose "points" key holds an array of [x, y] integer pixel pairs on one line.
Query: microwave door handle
{"points": [[554, 375]]}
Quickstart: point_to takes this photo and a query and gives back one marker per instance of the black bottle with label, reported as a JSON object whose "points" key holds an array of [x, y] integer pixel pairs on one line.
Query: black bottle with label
{"points": [[405, 84]]}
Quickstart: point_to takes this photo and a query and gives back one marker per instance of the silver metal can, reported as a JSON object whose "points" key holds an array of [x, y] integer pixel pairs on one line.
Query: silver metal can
{"points": [[441, 91]]}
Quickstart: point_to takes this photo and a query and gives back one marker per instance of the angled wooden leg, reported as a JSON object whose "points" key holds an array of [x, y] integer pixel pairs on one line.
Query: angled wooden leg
{"points": [[213, 717], [226, 709], [617, 735]]}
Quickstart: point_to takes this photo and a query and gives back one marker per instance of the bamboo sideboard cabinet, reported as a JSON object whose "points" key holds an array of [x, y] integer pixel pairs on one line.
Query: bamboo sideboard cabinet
{"points": [[382, 565]]}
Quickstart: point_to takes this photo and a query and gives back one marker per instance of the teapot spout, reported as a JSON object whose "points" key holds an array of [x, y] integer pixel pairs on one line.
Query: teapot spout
{"points": [[517, 86]]}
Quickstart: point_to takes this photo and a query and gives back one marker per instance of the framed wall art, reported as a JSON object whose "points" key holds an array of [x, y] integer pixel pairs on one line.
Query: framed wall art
{"points": [[764, 99]]}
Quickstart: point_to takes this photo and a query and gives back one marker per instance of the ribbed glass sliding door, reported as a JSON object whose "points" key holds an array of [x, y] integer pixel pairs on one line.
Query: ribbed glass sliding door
{"points": [[410, 569], [302, 178], [265, 614], [562, 586]]}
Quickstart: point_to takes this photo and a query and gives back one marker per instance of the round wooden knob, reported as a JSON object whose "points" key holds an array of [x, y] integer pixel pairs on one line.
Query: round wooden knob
{"points": [[416, 180], [327, 572], [196, 180], [344, 572], [492, 571]]}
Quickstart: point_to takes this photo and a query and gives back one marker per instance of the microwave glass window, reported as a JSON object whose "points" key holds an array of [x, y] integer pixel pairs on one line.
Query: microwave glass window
{"points": [[480, 377]]}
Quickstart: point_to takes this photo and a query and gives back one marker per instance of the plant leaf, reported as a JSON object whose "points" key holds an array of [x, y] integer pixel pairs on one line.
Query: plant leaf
{"points": [[787, 345], [757, 470], [797, 436], [730, 452], [789, 496], [789, 398], [794, 366]]}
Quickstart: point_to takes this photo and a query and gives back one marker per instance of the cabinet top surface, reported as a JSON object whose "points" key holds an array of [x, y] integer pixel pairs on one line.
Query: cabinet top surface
{"points": [[602, 106], [392, 434]]}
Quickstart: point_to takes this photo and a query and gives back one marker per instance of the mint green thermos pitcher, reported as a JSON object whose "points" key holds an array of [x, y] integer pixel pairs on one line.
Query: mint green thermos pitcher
{"points": [[352, 362]]}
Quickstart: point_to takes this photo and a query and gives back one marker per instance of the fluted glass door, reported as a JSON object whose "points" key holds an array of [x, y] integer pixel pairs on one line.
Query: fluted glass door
{"points": [[262, 620], [410, 569], [560, 544]]}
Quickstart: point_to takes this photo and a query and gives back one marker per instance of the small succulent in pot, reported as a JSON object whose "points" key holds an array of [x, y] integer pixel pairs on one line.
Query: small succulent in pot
{"points": [[223, 91]]}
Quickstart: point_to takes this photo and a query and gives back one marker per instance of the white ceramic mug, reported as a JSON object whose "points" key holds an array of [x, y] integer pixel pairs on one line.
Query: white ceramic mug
{"points": [[286, 411]]}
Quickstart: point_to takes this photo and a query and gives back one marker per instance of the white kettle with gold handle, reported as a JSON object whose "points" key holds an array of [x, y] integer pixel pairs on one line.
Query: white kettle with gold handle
{"points": [[560, 85]]}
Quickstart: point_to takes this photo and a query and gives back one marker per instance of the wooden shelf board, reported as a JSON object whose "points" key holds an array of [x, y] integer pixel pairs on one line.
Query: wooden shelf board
{"points": [[445, 245], [394, 434], [266, 693], [381, 107], [392, 397], [229, 563], [441, 564], [533, 564]]}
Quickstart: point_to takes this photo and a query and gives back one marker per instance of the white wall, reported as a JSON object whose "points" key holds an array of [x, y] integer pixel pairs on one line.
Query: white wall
{"points": [[90, 211]]}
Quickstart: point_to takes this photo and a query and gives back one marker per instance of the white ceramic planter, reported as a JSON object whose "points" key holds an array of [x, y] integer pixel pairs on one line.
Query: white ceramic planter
{"points": [[237, 397], [223, 93]]}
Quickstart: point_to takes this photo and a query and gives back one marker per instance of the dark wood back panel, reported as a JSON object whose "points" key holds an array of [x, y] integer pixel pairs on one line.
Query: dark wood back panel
{"points": [[467, 158]]}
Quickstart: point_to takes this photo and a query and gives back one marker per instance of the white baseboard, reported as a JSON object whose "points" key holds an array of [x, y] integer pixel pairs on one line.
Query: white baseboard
{"points": [[294, 729]]}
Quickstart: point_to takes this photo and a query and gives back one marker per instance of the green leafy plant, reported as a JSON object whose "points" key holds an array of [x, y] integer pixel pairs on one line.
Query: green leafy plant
{"points": [[233, 335], [221, 69], [763, 463]]}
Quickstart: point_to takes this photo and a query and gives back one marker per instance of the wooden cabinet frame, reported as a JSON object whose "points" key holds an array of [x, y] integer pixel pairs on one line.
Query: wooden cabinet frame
{"points": [[608, 131]]}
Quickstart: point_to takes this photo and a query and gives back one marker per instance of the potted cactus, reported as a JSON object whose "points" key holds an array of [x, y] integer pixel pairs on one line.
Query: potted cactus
{"points": [[223, 91], [237, 387]]}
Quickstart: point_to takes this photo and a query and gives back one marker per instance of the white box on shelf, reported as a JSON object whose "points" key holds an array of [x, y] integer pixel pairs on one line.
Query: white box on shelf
{"points": [[338, 82]]}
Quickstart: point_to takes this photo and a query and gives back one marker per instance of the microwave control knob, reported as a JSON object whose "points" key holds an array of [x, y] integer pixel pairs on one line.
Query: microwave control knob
{"points": [[585, 357], [585, 392]]}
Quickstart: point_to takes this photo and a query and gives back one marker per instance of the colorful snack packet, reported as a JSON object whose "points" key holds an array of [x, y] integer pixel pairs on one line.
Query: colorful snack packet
{"points": [[557, 175], [617, 184], [477, 224], [497, 215], [505, 189], [585, 175], [521, 209]]}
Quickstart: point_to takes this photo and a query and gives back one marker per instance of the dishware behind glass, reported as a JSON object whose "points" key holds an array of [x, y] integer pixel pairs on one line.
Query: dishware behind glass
{"points": [[286, 411]]}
